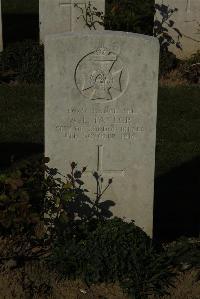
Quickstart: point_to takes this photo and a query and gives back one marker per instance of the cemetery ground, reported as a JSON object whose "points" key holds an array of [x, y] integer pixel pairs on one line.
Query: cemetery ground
{"points": [[177, 181], [176, 185]]}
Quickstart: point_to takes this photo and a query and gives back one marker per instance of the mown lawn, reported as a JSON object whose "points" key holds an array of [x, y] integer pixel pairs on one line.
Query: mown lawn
{"points": [[21, 114], [178, 125]]}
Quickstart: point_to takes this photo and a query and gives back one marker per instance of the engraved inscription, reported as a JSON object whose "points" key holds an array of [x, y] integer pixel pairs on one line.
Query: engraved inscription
{"points": [[101, 75], [123, 124]]}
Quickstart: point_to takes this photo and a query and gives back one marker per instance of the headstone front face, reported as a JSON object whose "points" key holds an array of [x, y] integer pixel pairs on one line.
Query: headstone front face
{"points": [[1, 37], [59, 16], [100, 111], [187, 20]]}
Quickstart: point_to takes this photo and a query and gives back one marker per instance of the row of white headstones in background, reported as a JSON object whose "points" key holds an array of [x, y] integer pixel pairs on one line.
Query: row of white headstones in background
{"points": [[59, 16], [64, 16]]}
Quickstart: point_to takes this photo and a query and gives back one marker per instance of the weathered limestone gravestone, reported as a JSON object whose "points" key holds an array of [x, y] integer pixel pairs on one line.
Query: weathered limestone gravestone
{"points": [[59, 16], [1, 37], [187, 20], [100, 111]]}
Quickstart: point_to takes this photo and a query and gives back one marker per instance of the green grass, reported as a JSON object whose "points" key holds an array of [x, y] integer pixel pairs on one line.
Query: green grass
{"points": [[178, 125], [20, 6], [21, 114]]}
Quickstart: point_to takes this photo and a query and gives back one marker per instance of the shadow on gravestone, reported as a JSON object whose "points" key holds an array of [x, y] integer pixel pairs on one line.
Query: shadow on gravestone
{"points": [[85, 208], [13, 152], [82, 207], [176, 202], [99, 207]]}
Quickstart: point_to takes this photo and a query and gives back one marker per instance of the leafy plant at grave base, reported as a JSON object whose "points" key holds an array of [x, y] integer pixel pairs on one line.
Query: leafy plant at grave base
{"points": [[22, 192], [22, 212], [85, 244], [34, 208], [26, 194], [190, 68], [111, 251], [67, 201], [25, 60]]}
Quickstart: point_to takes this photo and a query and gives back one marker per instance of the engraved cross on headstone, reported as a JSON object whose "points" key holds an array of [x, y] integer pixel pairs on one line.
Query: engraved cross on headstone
{"points": [[71, 5], [100, 170], [188, 5]]}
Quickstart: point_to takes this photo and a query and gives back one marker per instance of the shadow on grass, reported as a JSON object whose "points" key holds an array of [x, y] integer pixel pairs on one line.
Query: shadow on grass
{"points": [[13, 152], [176, 202], [20, 27]]}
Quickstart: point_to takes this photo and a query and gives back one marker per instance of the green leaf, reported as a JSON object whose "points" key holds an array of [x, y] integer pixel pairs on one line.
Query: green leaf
{"points": [[68, 185], [3, 197]]}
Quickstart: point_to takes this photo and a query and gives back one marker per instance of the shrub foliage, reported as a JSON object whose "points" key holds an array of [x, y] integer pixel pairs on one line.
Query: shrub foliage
{"points": [[109, 251], [25, 59], [78, 235], [83, 245], [22, 200], [190, 69]]}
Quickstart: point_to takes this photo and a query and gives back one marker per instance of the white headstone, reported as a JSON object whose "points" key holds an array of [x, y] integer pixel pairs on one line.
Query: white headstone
{"points": [[59, 16], [1, 37], [100, 111], [187, 20]]}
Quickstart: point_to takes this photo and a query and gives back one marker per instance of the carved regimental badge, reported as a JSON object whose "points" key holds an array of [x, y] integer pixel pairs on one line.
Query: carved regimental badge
{"points": [[101, 75]]}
